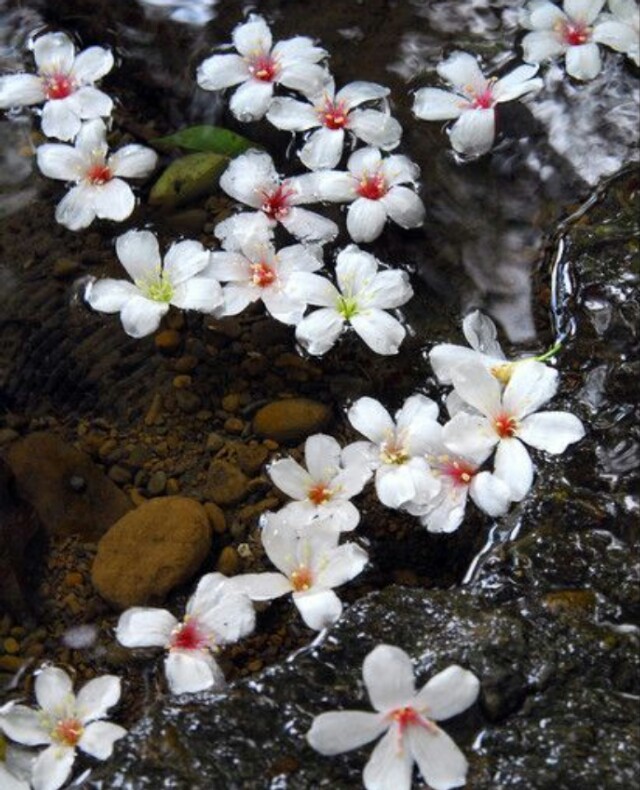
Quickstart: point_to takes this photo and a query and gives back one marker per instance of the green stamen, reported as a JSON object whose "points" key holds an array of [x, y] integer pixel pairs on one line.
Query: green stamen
{"points": [[347, 307], [159, 290]]}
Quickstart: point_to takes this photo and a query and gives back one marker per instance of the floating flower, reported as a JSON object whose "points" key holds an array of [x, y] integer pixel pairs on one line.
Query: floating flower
{"points": [[216, 615], [99, 191], [254, 270], [397, 450], [15, 764], [252, 179], [64, 723], [323, 490], [260, 65], [570, 33], [334, 114], [64, 82], [311, 564], [407, 720], [621, 30], [362, 296], [373, 186], [474, 101], [180, 281], [507, 420]]}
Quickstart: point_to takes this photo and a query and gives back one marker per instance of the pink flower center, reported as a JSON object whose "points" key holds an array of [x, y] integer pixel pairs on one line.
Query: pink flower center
{"points": [[68, 732], [264, 68], [276, 204], [372, 187], [408, 717], [301, 579], [99, 174], [58, 86], [188, 636], [574, 33], [460, 472], [484, 100], [505, 426], [334, 116], [319, 494], [263, 274]]}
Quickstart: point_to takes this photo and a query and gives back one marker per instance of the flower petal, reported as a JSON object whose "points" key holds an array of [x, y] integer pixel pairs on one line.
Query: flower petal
{"points": [[583, 62], [513, 466], [97, 696], [376, 128], [389, 768], [318, 608], [490, 494], [474, 132], [222, 71], [309, 226], [480, 389], [306, 78], [356, 93], [448, 693], [380, 331], [617, 35], [551, 431], [52, 767], [462, 70], [542, 45], [139, 253], [10, 782], [252, 36], [297, 49], [543, 15], [387, 672], [404, 207], [92, 139], [98, 739], [370, 418], [19, 90], [247, 176], [261, 586], [291, 478], [530, 386], [441, 763], [517, 83], [322, 456], [435, 104], [251, 100], [342, 564], [229, 616], [235, 298], [23, 725], [133, 161], [341, 731], [93, 103], [366, 219], [191, 671], [60, 161], [319, 330], [142, 626], [203, 294], [141, 316], [395, 485], [364, 160], [583, 10], [92, 64], [113, 200], [184, 260], [469, 435], [446, 511], [323, 149], [336, 187], [54, 52], [481, 334], [76, 211], [292, 115], [53, 689]]}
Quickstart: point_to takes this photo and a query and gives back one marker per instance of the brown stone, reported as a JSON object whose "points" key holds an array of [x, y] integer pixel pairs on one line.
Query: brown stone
{"points": [[70, 494], [216, 517], [153, 549], [226, 484], [228, 561], [291, 420], [167, 340]]}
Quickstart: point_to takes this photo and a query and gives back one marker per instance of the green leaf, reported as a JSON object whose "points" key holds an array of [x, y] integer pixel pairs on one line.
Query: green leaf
{"points": [[213, 139], [187, 178]]}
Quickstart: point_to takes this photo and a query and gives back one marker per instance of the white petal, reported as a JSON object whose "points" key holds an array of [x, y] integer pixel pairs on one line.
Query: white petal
{"points": [[375, 128], [544, 15], [469, 435], [191, 671], [292, 115], [18, 90], [617, 35], [97, 696], [184, 260], [481, 334], [364, 160], [53, 689], [141, 316], [516, 83], [113, 200], [142, 626], [583, 62], [366, 219], [76, 211], [139, 253], [99, 737], [252, 36], [531, 385], [322, 456], [236, 297], [380, 331], [203, 294], [229, 616], [417, 416], [462, 70], [388, 675], [474, 132], [54, 52], [247, 176], [323, 149], [299, 48], [210, 591], [92, 64], [356, 93], [337, 187], [52, 768], [250, 226], [441, 763], [291, 478], [313, 289], [93, 103], [513, 466], [300, 257], [370, 418], [261, 586], [319, 330], [542, 45], [395, 485], [342, 564], [434, 104], [307, 78], [445, 357], [446, 511], [222, 71], [448, 693], [10, 782], [480, 389], [133, 161], [341, 731], [388, 289], [24, 725], [60, 161], [339, 514], [404, 207], [583, 10], [490, 494], [389, 767], [309, 226], [398, 169], [319, 609], [251, 100], [551, 431], [92, 138]]}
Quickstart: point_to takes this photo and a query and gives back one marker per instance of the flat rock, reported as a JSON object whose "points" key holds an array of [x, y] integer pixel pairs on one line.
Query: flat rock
{"points": [[226, 484], [291, 420], [158, 546], [70, 494]]}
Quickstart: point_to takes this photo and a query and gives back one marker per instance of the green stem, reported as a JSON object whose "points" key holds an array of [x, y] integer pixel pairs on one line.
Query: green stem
{"points": [[550, 353]]}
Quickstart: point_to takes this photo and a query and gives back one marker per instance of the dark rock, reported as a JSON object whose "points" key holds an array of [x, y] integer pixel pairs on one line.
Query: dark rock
{"points": [[226, 484]]}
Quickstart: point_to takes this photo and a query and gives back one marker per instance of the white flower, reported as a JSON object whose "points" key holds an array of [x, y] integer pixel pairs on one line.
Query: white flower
{"points": [[507, 419], [621, 31], [473, 102], [311, 564], [99, 191], [181, 281], [397, 450], [569, 33], [336, 113], [64, 723], [252, 179], [362, 296], [64, 82], [260, 65], [459, 477], [373, 187], [216, 615], [407, 720], [324, 488], [254, 270], [16, 764]]}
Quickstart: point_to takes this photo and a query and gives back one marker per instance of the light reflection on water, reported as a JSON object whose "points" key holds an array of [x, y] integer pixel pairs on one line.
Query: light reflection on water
{"points": [[189, 12]]}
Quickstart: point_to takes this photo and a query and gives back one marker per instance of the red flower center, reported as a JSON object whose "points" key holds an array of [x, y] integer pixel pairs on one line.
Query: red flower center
{"points": [[505, 426], [372, 187], [276, 204], [319, 494], [68, 732], [263, 274], [58, 86], [264, 68], [459, 471], [99, 174], [334, 116], [301, 579], [188, 636], [406, 717], [484, 100], [575, 33]]}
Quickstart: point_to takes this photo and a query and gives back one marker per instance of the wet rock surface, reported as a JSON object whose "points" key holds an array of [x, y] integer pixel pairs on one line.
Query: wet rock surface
{"points": [[291, 420]]}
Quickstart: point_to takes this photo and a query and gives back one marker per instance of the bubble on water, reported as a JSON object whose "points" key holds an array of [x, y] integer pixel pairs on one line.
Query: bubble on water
{"points": [[80, 637]]}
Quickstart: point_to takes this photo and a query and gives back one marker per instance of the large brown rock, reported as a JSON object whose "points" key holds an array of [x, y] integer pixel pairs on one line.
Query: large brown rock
{"points": [[70, 494], [151, 550], [291, 420], [226, 484]]}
